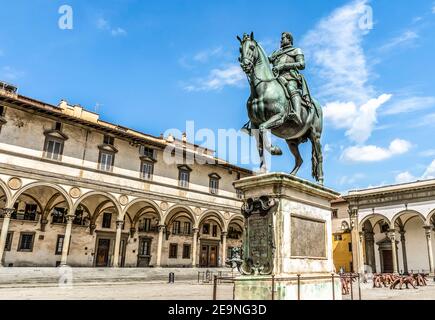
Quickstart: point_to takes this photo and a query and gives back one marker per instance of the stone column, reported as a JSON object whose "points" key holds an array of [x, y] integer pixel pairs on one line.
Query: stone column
{"points": [[392, 236], [361, 253], [160, 245], [4, 232], [224, 249], [194, 246], [119, 224], [428, 233], [370, 249], [405, 259], [66, 239]]}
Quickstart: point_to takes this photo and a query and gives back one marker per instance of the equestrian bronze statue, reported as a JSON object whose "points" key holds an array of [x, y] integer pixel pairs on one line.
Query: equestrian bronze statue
{"points": [[281, 102]]}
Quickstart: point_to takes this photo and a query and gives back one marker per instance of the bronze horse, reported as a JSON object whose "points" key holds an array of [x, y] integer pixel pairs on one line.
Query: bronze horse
{"points": [[267, 107]]}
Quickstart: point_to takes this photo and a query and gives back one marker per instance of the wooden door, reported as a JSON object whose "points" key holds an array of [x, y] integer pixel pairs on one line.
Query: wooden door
{"points": [[103, 253], [387, 260], [213, 256], [144, 256], [204, 256]]}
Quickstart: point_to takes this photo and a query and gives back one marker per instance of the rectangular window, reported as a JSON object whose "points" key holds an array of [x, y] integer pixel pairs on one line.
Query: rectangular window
{"points": [[184, 178], [214, 231], [59, 244], [206, 229], [173, 247], [107, 220], [144, 249], [186, 251], [147, 152], [187, 228], [58, 126], [334, 213], [338, 237], [214, 185], [176, 227], [109, 140], [8, 243], [2, 111], [26, 242], [30, 212], [350, 247], [59, 215], [106, 161], [145, 225], [147, 170], [53, 149]]}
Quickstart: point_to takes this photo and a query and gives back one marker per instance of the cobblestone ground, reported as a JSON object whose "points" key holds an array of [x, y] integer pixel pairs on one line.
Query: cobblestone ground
{"points": [[183, 290]]}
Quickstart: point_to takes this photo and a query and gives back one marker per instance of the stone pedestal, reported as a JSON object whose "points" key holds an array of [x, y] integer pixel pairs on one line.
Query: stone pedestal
{"points": [[288, 235]]}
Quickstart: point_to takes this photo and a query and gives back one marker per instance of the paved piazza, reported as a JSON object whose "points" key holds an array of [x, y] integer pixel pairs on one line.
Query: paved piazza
{"points": [[18, 285]]}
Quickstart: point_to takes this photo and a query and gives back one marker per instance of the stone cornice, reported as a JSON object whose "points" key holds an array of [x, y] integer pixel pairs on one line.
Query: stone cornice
{"points": [[377, 198], [108, 187], [285, 180]]}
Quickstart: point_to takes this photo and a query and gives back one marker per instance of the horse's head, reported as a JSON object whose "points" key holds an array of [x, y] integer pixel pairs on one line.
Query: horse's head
{"points": [[248, 52]]}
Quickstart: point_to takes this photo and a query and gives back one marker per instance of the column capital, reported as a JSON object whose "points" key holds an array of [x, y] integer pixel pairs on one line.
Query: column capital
{"points": [[161, 227], [392, 234], [119, 224], [195, 230], [7, 212], [70, 218], [428, 231]]}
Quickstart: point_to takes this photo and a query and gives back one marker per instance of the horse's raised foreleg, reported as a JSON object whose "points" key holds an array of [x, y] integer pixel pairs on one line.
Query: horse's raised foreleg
{"points": [[274, 122], [317, 157], [294, 148]]}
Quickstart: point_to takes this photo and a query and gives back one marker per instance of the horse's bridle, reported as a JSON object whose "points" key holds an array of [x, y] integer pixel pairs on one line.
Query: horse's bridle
{"points": [[253, 62]]}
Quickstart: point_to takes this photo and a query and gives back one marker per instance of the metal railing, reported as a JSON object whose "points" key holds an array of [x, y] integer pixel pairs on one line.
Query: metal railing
{"points": [[299, 279], [208, 276]]}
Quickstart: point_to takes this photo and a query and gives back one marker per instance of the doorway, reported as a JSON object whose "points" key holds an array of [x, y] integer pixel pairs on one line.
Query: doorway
{"points": [[387, 259], [209, 255], [144, 255], [102, 259]]}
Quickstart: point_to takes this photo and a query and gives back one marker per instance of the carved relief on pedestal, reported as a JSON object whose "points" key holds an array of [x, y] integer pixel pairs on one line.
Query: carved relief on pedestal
{"points": [[75, 192], [15, 183]]}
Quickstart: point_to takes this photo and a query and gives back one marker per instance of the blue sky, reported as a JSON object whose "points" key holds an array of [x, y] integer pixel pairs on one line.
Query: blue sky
{"points": [[153, 65]]}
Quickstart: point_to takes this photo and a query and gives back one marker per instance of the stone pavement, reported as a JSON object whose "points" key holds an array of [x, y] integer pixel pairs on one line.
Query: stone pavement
{"points": [[146, 284]]}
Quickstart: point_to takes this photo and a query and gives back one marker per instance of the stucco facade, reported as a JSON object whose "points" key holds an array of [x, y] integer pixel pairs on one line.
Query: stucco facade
{"points": [[80, 191]]}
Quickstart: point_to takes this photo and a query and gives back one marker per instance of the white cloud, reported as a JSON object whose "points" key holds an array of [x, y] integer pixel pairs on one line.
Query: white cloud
{"points": [[118, 32], [371, 153], [405, 177], [359, 121], [103, 24], [409, 105], [335, 48], [231, 75], [426, 120], [430, 171], [405, 38], [349, 180], [10, 73], [204, 55], [427, 153]]}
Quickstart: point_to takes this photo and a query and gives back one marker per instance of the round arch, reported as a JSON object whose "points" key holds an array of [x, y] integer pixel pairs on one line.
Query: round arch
{"points": [[177, 209], [237, 218], [150, 203], [7, 193], [429, 217], [373, 215], [403, 212], [98, 193], [217, 218], [44, 184]]}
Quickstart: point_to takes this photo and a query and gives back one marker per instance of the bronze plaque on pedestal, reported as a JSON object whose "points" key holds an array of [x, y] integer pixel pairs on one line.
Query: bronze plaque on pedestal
{"points": [[308, 237]]}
